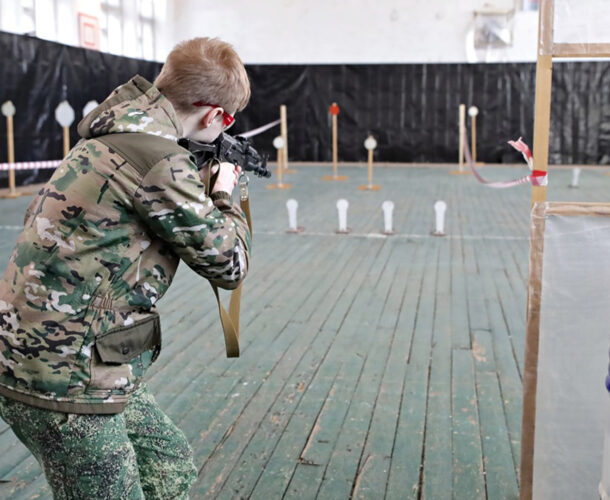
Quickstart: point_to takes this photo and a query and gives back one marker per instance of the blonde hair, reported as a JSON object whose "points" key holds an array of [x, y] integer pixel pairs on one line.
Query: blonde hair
{"points": [[204, 69]]}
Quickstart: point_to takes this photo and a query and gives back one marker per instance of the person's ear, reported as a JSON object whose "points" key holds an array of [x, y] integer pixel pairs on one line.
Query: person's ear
{"points": [[207, 119]]}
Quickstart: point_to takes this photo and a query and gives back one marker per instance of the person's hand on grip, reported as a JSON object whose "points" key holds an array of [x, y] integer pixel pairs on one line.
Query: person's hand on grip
{"points": [[227, 178]]}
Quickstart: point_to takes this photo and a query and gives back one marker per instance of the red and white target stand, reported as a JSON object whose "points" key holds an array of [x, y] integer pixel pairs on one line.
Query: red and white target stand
{"points": [[278, 143], [64, 114], [334, 112], [370, 144], [462, 138]]}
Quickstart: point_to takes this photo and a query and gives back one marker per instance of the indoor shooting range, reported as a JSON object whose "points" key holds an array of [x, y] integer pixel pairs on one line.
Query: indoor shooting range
{"points": [[305, 250]]}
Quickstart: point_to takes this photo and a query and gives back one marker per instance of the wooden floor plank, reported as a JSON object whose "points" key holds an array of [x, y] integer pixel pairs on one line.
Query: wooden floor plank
{"points": [[500, 475], [468, 478]]}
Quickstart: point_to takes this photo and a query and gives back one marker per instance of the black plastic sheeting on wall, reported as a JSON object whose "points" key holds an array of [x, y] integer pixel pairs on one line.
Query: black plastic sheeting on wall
{"points": [[37, 75], [411, 109]]}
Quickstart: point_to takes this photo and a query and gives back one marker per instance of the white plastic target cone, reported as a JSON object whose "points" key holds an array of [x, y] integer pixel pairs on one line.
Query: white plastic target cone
{"points": [[440, 207], [575, 177], [292, 206], [388, 211], [342, 206]]}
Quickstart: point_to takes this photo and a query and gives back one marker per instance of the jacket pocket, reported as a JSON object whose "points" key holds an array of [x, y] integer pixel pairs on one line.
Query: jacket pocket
{"points": [[122, 355], [122, 344]]}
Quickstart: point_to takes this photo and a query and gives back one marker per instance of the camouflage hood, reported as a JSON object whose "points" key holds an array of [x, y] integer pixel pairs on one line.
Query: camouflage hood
{"points": [[136, 106]]}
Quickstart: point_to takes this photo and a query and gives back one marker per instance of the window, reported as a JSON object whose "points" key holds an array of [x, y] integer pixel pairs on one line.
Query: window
{"points": [[128, 28], [45, 15], [111, 26], [146, 29], [27, 16]]}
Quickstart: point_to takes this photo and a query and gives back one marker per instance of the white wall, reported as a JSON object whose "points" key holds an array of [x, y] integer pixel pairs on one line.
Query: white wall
{"points": [[299, 31], [348, 31]]}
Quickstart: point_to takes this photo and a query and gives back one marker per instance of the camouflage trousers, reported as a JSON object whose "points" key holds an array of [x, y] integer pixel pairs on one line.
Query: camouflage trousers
{"points": [[136, 454]]}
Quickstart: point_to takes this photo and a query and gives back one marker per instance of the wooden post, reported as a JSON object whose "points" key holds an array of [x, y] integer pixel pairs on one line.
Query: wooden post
{"points": [[473, 124], [66, 141], [8, 110], [542, 112], [280, 161], [462, 135], [542, 123], [370, 144], [334, 118], [284, 134], [11, 156], [462, 139], [370, 169], [278, 143]]}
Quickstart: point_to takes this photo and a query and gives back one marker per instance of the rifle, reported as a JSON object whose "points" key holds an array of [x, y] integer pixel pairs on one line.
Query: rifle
{"points": [[237, 150]]}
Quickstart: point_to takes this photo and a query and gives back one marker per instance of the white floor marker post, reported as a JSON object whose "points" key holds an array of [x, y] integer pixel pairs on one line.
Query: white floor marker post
{"points": [[64, 114], [342, 206], [440, 208], [292, 206], [388, 210], [575, 177]]}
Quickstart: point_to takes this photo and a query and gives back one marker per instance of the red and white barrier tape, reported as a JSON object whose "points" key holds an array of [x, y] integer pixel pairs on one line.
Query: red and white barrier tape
{"points": [[30, 165], [536, 178], [33, 165], [260, 130]]}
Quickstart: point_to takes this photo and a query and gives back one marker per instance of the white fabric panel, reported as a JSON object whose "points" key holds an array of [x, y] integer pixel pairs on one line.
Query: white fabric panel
{"points": [[571, 401]]}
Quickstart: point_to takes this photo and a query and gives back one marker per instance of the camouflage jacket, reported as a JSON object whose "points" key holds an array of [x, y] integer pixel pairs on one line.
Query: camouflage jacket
{"points": [[100, 246]]}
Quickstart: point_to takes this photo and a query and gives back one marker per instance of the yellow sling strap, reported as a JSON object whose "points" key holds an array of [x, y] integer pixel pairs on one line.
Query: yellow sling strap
{"points": [[230, 320]]}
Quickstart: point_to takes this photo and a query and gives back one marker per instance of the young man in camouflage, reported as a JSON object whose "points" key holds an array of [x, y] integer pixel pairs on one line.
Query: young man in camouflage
{"points": [[100, 246]]}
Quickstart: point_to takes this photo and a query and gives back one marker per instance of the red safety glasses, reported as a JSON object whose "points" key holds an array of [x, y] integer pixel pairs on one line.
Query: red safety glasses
{"points": [[227, 119]]}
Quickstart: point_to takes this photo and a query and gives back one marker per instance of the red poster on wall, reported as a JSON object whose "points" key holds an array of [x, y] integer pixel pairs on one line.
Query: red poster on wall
{"points": [[89, 31]]}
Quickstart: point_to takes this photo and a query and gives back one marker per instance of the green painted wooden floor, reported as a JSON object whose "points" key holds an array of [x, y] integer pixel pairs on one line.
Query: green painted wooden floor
{"points": [[370, 366]]}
